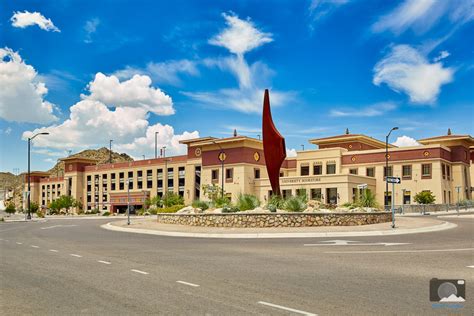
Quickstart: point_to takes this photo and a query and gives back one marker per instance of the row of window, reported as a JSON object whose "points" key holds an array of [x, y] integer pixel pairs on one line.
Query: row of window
{"points": [[406, 171], [318, 169]]}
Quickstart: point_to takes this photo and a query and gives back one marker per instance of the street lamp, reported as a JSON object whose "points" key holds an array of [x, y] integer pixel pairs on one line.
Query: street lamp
{"points": [[128, 200], [302, 147], [386, 164], [221, 158], [29, 184], [156, 144], [164, 151], [110, 150]]}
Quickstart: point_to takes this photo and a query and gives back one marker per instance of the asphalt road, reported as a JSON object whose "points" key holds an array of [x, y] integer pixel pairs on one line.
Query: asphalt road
{"points": [[70, 267]]}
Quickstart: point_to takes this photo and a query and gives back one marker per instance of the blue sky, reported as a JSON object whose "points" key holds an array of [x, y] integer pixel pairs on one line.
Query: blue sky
{"points": [[90, 71]]}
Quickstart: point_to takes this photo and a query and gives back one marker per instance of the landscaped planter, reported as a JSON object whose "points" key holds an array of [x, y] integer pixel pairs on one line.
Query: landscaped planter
{"points": [[248, 220]]}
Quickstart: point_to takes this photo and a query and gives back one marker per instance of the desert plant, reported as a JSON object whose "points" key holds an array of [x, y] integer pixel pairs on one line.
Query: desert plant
{"points": [[294, 204], [302, 195], [203, 205], [106, 214], [170, 209], [154, 201], [247, 202], [34, 207], [40, 213], [10, 209], [275, 202], [424, 197], [230, 209], [171, 199], [367, 199], [221, 201]]}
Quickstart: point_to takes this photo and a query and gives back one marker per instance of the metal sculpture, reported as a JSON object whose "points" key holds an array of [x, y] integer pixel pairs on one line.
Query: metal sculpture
{"points": [[273, 146]]}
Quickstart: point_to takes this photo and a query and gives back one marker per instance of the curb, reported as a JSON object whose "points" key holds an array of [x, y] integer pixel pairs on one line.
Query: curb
{"points": [[440, 227]]}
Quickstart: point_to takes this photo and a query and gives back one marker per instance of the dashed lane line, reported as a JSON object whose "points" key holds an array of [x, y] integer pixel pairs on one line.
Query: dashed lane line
{"points": [[287, 309], [470, 267], [34, 246], [187, 283], [53, 250], [404, 251], [74, 255], [19, 243], [104, 262], [139, 271]]}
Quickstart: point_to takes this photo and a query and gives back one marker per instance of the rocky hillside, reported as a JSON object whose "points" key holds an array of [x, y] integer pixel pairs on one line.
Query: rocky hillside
{"points": [[15, 183]]}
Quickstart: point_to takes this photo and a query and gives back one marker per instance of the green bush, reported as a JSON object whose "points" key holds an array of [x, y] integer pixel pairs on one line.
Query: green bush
{"points": [[40, 213], [230, 209], [203, 205], [247, 202], [106, 214], [275, 202], [10, 209], [153, 211], [424, 197], [221, 201], [367, 199], [34, 207], [170, 209], [347, 204], [156, 201], [294, 204], [171, 199]]}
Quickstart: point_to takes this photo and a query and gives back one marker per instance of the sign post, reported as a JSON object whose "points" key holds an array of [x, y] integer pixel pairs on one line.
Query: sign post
{"points": [[393, 181]]}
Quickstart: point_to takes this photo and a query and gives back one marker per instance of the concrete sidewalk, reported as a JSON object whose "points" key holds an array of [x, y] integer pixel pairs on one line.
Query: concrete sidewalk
{"points": [[404, 225]]}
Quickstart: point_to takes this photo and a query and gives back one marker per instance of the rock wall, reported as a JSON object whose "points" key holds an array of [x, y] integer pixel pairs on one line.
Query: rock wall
{"points": [[275, 219]]}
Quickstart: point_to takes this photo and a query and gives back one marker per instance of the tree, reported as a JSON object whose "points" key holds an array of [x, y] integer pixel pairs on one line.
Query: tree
{"points": [[172, 199], [34, 207], [66, 202], [154, 201], [424, 197], [10, 209]]}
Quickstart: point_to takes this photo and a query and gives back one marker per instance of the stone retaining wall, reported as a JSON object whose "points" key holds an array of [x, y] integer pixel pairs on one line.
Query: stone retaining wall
{"points": [[245, 220]]}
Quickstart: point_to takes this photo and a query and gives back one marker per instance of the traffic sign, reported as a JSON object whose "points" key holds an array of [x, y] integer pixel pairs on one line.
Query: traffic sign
{"points": [[362, 186], [395, 180]]}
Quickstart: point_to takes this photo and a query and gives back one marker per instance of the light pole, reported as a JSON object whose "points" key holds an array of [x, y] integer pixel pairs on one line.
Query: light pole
{"points": [[156, 144], [128, 200], [143, 157], [302, 147], [29, 183], [164, 151], [221, 158], [386, 164], [110, 150], [458, 189]]}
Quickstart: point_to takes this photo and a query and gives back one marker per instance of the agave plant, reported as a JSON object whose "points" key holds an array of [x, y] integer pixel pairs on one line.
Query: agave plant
{"points": [[247, 202]]}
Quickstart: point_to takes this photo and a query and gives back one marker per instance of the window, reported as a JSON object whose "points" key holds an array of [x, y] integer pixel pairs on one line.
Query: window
{"points": [[256, 173], [112, 176], [149, 179], [443, 171], [305, 170], [130, 174], [448, 172], [406, 172], [353, 171], [104, 176], [426, 170], [286, 193], [370, 172], [316, 194], [407, 197], [390, 171], [170, 176], [331, 168], [215, 175], [229, 174], [318, 169], [181, 177]]}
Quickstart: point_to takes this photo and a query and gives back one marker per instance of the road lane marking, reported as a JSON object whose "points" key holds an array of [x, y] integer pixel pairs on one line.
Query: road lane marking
{"points": [[104, 262], [33, 246], [360, 244], [53, 250], [287, 309], [74, 255], [470, 267], [187, 283], [19, 243], [54, 226], [404, 251], [139, 271]]}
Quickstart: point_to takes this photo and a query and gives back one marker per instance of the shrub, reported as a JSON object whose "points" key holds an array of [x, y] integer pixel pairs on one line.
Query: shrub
{"points": [[424, 197], [230, 209], [367, 199], [40, 213], [34, 207], [170, 209], [80, 211], [294, 204], [203, 205], [153, 211], [347, 204], [2, 219], [171, 199], [302, 195], [154, 201], [221, 201], [10, 209], [275, 202], [106, 214], [247, 202]]}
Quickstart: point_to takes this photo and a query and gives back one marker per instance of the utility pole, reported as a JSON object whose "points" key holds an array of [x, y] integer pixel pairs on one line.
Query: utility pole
{"points": [[29, 171], [386, 166], [110, 150], [156, 144]]}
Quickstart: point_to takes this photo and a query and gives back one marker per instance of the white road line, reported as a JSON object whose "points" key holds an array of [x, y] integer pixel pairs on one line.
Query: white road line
{"points": [[19, 243], [53, 250], [33, 246], [104, 262], [74, 255], [287, 309], [49, 227], [138, 271], [187, 283], [404, 251], [470, 267]]}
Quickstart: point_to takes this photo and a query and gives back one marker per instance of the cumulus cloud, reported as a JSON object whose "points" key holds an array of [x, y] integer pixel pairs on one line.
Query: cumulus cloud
{"points": [[404, 69], [136, 92], [290, 152], [22, 93], [422, 15], [240, 36], [405, 141], [167, 72], [25, 19], [368, 111]]}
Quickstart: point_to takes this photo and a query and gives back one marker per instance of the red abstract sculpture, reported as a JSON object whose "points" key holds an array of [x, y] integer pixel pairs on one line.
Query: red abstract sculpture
{"points": [[273, 146]]}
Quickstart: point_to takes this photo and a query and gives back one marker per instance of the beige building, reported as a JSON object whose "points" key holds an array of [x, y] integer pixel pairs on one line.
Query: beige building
{"points": [[331, 172]]}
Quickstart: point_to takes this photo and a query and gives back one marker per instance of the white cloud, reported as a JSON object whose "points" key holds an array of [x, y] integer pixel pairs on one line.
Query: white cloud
{"points": [[442, 55], [319, 9], [25, 19], [90, 27], [369, 111], [290, 152], [405, 141], [422, 15], [240, 36], [167, 72], [404, 69], [22, 93], [136, 92]]}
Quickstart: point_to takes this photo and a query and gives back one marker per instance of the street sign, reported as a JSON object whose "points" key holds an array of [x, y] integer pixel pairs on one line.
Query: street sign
{"points": [[395, 180], [362, 186]]}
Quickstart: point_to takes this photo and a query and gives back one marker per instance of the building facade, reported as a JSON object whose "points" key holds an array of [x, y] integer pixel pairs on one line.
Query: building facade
{"points": [[330, 173]]}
